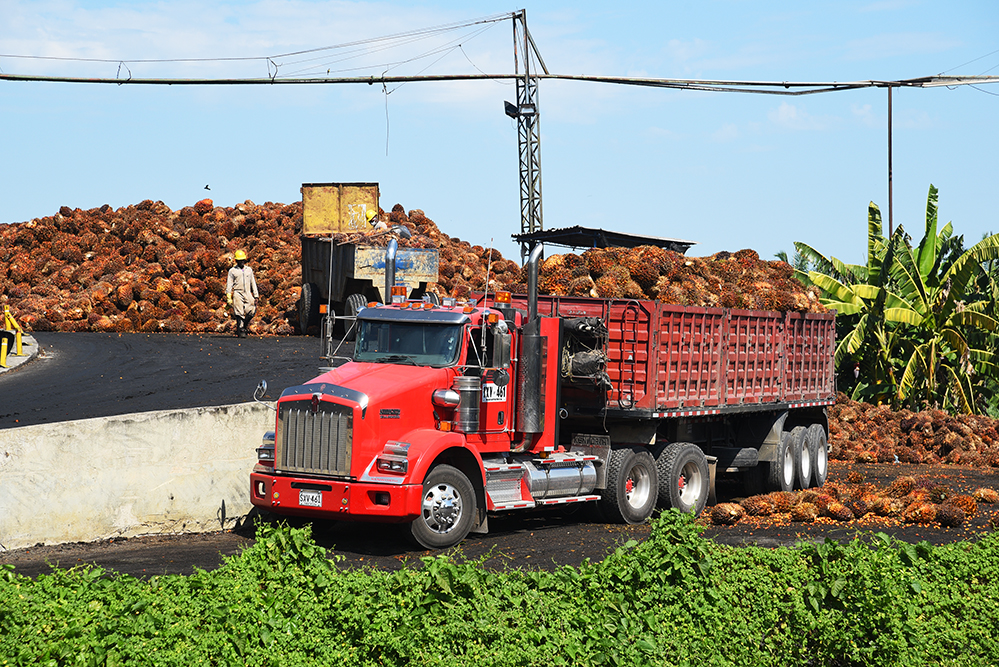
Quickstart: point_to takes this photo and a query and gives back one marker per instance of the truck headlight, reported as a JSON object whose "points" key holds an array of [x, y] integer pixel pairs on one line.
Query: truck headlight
{"points": [[265, 452], [394, 458]]}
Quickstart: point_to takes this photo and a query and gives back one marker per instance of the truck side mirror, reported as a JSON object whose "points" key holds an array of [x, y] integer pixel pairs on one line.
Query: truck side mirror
{"points": [[501, 350]]}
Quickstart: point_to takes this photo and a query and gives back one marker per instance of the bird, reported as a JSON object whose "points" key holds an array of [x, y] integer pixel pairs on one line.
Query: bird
{"points": [[207, 188]]}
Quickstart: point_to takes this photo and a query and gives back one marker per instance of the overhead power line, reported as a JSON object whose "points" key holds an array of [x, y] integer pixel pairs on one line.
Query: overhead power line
{"points": [[758, 87]]}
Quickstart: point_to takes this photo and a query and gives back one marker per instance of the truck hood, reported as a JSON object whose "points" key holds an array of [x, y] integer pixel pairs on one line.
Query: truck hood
{"points": [[381, 382]]}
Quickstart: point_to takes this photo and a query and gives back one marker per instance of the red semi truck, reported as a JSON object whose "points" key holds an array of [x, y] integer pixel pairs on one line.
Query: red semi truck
{"points": [[448, 413]]}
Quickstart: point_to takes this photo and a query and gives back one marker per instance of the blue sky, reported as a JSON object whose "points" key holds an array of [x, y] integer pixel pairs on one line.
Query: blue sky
{"points": [[727, 170]]}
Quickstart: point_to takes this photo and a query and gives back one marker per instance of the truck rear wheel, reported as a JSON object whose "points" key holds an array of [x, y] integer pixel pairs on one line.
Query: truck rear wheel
{"points": [[683, 477], [781, 475], [819, 450], [802, 453], [632, 486], [354, 304], [448, 509], [308, 307]]}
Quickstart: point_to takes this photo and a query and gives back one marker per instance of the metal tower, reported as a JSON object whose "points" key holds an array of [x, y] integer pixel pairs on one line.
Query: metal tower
{"points": [[525, 111]]}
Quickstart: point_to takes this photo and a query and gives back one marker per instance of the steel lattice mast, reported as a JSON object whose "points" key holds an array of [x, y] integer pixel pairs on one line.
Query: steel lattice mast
{"points": [[528, 128]]}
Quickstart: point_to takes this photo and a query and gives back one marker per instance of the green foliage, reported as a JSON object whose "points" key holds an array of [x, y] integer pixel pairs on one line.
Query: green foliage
{"points": [[918, 322], [674, 599]]}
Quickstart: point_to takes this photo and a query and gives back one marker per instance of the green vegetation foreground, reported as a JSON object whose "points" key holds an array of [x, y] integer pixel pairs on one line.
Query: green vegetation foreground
{"points": [[675, 599]]}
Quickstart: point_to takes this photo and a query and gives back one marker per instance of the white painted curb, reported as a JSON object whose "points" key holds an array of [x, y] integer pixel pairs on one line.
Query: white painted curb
{"points": [[169, 471]]}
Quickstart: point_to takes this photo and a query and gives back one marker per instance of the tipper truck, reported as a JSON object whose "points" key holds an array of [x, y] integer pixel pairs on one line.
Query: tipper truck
{"points": [[449, 413], [341, 277]]}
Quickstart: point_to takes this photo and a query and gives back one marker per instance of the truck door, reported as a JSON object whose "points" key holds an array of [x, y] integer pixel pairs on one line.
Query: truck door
{"points": [[495, 411]]}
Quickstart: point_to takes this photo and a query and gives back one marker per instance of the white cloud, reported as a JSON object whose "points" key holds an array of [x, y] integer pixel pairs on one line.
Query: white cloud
{"points": [[726, 133], [864, 113], [790, 117]]}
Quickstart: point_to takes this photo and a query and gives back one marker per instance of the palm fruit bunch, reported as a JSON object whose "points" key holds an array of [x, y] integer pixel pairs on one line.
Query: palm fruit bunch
{"points": [[967, 503], [727, 514], [920, 512], [757, 506], [804, 512], [986, 495], [782, 501], [868, 433], [950, 516], [837, 511]]}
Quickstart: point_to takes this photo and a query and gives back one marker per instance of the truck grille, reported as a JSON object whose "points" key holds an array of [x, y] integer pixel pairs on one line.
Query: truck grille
{"points": [[308, 442]]}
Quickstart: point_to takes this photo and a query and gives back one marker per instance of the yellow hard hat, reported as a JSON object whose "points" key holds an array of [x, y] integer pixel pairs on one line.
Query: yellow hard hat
{"points": [[371, 212], [240, 255]]}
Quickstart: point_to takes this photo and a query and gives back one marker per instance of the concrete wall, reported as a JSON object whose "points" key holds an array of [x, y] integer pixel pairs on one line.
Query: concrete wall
{"points": [[168, 471]]}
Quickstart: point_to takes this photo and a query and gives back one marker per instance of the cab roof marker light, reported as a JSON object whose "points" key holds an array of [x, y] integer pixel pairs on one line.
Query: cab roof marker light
{"points": [[502, 297]]}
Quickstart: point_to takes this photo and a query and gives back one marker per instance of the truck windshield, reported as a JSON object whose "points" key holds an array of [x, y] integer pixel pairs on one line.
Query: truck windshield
{"points": [[415, 343]]}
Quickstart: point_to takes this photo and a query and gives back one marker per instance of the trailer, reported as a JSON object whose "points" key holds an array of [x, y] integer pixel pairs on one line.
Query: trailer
{"points": [[450, 413], [340, 278]]}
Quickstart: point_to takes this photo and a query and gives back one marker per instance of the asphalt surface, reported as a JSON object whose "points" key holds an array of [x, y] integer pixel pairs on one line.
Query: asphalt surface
{"points": [[83, 375]]}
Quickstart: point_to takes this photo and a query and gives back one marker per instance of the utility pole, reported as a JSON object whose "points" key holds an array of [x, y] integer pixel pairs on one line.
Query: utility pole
{"points": [[891, 212], [525, 111]]}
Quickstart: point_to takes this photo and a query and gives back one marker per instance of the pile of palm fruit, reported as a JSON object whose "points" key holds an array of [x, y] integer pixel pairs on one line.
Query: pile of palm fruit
{"points": [[875, 433], [147, 268], [907, 499], [728, 280]]}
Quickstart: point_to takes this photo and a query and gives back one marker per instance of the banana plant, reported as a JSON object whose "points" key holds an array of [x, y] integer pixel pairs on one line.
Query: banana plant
{"points": [[910, 315], [859, 295], [940, 306]]}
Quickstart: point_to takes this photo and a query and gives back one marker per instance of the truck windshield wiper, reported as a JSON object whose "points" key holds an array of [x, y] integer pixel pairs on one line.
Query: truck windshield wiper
{"points": [[394, 359]]}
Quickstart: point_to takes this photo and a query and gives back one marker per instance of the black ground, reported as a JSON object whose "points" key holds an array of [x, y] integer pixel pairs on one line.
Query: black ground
{"points": [[88, 375], [82, 375]]}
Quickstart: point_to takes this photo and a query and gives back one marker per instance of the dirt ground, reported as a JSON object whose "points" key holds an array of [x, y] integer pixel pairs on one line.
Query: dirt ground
{"points": [[532, 541]]}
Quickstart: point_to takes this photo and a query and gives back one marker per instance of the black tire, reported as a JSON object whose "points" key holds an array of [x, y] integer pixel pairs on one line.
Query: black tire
{"points": [[354, 304], [448, 509], [632, 486], [683, 477], [781, 473], [308, 307], [802, 458], [819, 449]]}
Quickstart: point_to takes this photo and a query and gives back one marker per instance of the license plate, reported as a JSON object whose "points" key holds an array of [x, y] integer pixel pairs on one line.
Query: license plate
{"points": [[310, 498]]}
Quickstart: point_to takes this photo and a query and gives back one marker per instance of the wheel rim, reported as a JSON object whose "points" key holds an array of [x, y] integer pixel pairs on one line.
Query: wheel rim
{"points": [[638, 487], [806, 463], [442, 508], [820, 460], [690, 484], [788, 467]]}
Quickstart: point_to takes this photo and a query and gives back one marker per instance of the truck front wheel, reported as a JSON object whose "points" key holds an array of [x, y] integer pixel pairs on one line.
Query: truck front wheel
{"points": [[448, 509], [683, 477], [632, 485]]}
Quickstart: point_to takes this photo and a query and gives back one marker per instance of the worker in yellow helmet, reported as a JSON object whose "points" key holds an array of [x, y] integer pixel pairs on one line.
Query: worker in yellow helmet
{"points": [[241, 293], [375, 220]]}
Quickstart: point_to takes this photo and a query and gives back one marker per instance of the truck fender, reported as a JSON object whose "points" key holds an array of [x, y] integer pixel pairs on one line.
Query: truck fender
{"points": [[768, 448], [430, 446]]}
